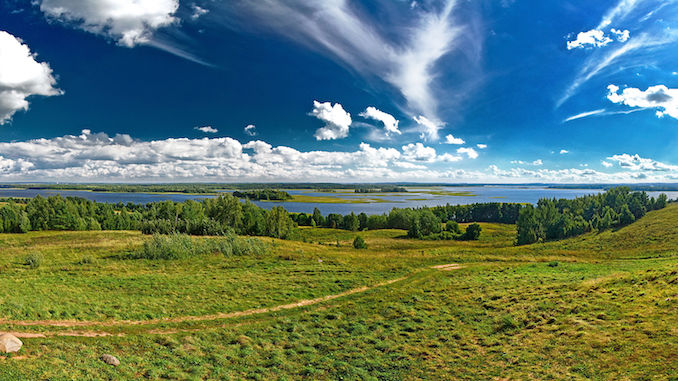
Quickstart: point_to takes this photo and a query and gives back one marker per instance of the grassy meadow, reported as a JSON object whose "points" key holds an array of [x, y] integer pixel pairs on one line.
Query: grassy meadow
{"points": [[598, 306]]}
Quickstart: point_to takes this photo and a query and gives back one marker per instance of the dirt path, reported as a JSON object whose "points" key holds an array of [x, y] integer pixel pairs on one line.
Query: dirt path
{"points": [[227, 315]]}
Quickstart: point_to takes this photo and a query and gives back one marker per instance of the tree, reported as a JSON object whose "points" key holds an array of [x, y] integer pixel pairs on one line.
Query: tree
{"points": [[626, 216], [359, 243], [351, 222], [278, 223], [452, 227], [529, 229], [318, 217], [472, 232]]}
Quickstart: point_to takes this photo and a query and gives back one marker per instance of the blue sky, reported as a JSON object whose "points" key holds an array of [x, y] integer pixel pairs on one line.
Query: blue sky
{"points": [[339, 90]]}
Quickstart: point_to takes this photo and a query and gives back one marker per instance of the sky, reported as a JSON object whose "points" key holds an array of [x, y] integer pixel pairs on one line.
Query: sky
{"points": [[445, 91]]}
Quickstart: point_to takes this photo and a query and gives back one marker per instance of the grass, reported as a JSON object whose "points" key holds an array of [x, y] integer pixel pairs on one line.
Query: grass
{"points": [[599, 306]]}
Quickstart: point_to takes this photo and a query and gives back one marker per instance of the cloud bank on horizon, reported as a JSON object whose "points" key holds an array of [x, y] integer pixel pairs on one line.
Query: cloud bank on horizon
{"points": [[387, 91]]}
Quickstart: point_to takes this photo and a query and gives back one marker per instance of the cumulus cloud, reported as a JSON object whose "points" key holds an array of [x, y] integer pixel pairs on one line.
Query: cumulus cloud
{"points": [[637, 163], [337, 121], [250, 130], [93, 156], [606, 164], [470, 152], [419, 152], [564, 151], [428, 128], [621, 35], [658, 97], [128, 22], [537, 162], [390, 123], [21, 76], [481, 146], [207, 129], [450, 139], [591, 39]]}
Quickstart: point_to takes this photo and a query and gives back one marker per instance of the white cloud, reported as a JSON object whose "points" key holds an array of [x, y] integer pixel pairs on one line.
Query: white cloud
{"points": [[606, 164], [419, 152], [428, 128], [584, 115], [481, 146], [658, 97], [470, 152], [207, 129], [446, 157], [100, 157], [592, 39], [337, 121], [250, 130], [128, 22], [537, 162], [198, 11], [21, 76], [450, 139], [390, 123], [621, 35], [564, 151], [637, 163]]}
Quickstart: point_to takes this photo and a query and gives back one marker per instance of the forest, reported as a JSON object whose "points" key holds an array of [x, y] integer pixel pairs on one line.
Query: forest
{"points": [[550, 219], [557, 219]]}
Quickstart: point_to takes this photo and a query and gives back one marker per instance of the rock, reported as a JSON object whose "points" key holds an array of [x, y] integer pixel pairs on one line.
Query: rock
{"points": [[110, 360], [9, 343]]}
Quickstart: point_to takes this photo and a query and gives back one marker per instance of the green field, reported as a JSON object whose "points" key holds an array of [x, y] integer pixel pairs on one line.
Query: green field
{"points": [[598, 306]]}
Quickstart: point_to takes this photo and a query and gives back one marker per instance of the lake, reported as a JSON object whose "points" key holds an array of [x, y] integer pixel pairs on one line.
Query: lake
{"points": [[416, 197]]}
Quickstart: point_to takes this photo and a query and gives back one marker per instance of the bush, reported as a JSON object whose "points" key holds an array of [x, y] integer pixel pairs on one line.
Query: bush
{"points": [[359, 243], [472, 233], [452, 227], [33, 260], [180, 246], [87, 259]]}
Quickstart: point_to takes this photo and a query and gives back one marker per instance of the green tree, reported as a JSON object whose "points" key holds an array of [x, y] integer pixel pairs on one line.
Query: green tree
{"points": [[359, 243]]}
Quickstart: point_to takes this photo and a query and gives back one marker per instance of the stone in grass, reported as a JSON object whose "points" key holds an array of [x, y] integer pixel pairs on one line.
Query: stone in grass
{"points": [[9, 343], [110, 360]]}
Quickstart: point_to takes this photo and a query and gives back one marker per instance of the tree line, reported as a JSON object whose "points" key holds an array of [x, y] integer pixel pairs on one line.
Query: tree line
{"points": [[556, 219], [263, 195]]}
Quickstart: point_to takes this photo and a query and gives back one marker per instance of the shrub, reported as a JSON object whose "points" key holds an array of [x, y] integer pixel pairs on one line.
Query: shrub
{"points": [[33, 260], [87, 259], [179, 246], [452, 227], [472, 233], [359, 243]]}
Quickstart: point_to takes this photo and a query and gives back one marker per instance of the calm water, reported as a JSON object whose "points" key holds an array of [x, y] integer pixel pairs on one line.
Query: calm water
{"points": [[415, 198]]}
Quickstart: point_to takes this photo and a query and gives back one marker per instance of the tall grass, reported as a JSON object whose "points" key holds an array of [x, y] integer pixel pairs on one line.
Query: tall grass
{"points": [[181, 246]]}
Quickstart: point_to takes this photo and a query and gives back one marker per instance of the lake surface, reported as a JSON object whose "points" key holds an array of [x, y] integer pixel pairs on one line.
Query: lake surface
{"points": [[416, 197]]}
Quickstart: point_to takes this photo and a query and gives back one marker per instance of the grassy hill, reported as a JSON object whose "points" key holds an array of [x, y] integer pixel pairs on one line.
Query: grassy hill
{"points": [[598, 306]]}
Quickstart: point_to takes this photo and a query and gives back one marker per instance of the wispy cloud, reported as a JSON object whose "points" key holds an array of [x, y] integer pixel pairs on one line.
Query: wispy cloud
{"points": [[344, 31], [584, 115], [634, 46]]}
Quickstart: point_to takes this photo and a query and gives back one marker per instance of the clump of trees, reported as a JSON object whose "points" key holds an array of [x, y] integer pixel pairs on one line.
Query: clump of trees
{"points": [[384, 189], [421, 223], [216, 216], [556, 219], [263, 195]]}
